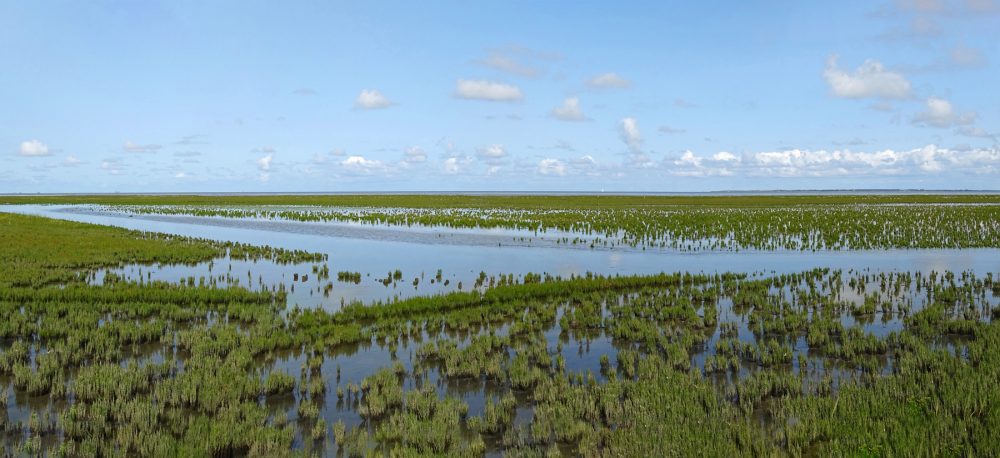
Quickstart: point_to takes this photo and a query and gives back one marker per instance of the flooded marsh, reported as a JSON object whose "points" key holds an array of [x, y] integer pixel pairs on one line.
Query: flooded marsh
{"points": [[258, 332]]}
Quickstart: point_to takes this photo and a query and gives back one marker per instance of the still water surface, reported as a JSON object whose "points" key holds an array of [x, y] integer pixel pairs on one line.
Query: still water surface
{"points": [[461, 254]]}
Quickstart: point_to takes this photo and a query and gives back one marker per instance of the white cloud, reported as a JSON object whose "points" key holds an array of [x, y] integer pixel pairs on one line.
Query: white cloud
{"points": [[508, 64], [456, 164], [929, 160], [609, 80], [180, 175], [371, 99], [319, 159], [725, 156], [688, 159], [492, 152], [640, 160], [494, 155], [33, 148], [551, 167], [487, 90], [630, 133], [569, 110], [264, 149], [362, 165], [414, 155], [870, 80], [130, 147], [974, 131], [585, 160], [689, 164], [264, 163], [578, 166], [71, 161], [264, 166], [940, 113]]}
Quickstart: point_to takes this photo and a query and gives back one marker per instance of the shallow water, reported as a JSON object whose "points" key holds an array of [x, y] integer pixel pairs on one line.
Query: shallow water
{"points": [[461, 254]]}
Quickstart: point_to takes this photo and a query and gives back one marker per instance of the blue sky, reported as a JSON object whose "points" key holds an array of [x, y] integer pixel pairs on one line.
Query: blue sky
{"points": [[501, 96]]}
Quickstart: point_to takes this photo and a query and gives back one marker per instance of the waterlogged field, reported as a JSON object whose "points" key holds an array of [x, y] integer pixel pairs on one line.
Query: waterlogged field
{"points": [[239, 331], [688, 223], [800, 227]]}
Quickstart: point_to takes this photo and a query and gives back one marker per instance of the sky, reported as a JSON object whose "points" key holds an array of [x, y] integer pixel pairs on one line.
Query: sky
{"points": [[300, 96]]}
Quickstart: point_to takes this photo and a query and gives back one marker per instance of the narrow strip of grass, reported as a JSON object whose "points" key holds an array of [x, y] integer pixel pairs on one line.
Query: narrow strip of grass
{"points": [[504, 201]]}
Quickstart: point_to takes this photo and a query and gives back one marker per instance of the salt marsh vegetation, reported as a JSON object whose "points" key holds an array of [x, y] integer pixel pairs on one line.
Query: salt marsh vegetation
{"points": [[822, 361], [800, 227]]}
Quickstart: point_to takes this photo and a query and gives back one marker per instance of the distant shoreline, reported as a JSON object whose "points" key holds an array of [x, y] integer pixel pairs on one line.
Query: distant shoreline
{"points": [[788, 192]]}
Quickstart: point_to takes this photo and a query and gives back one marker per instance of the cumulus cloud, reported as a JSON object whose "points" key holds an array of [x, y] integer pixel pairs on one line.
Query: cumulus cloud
{"points": [[719, 164], [940, 113], [361, 164], [131, 147], [414, 155], [494, 155], [584, 165], [569, 110], [629, 133], [551, 167], [870, 80], [264, 166], [928, 160], [264, 163], [456, 164], [33, 148], [371, 99], [722, 163], [609, 80], [725, 156], [487, 90], [688, 159], [71, 161]]}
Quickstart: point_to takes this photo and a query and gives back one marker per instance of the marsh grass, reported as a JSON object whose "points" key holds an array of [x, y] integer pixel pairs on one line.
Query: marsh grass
{"points": [[796, 365]]}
